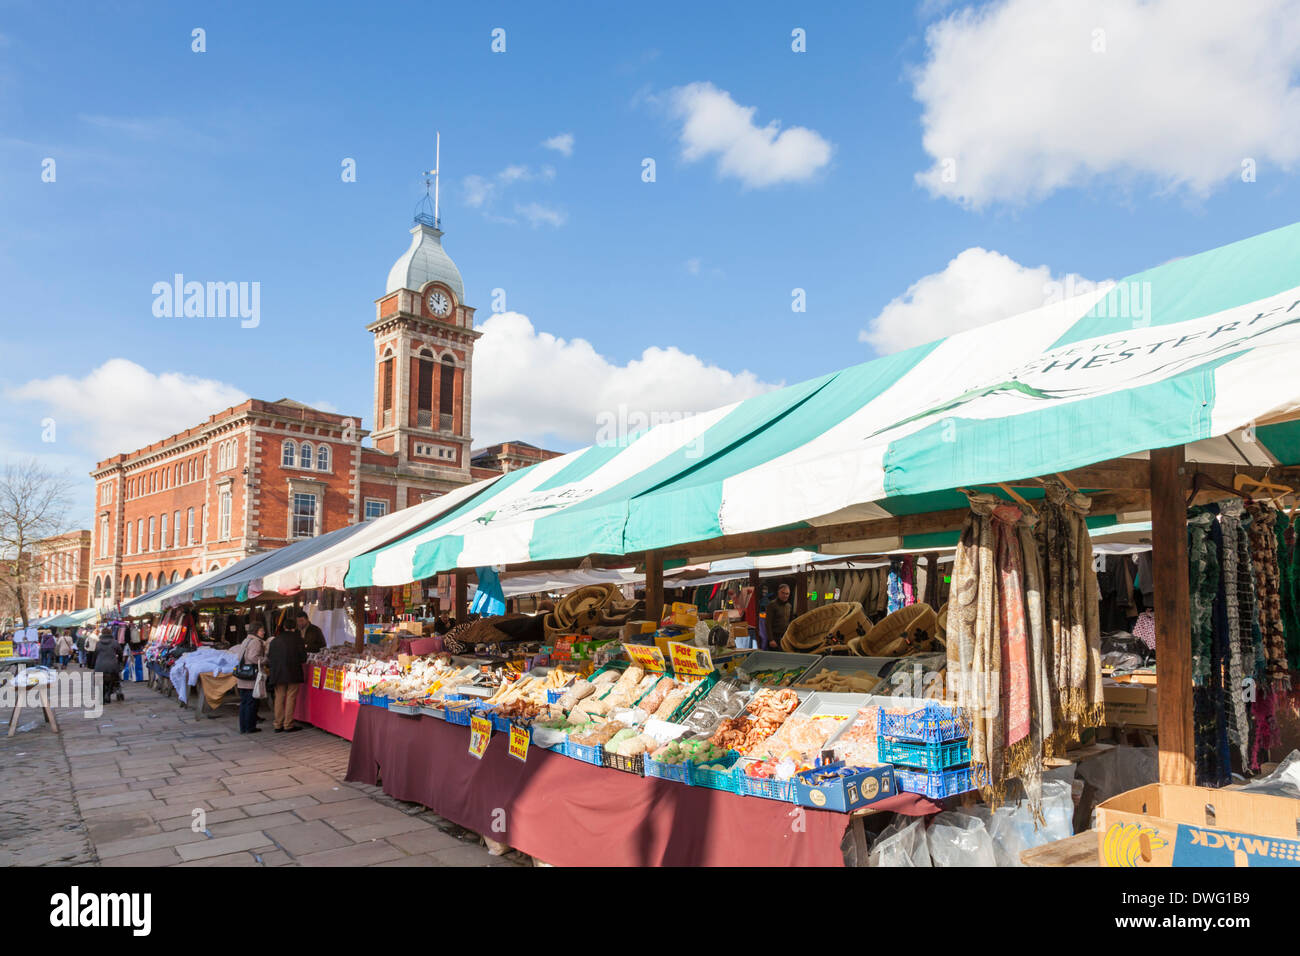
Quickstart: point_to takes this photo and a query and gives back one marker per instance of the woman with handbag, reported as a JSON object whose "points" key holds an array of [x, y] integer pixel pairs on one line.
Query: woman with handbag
{"points": [[247, 672]]}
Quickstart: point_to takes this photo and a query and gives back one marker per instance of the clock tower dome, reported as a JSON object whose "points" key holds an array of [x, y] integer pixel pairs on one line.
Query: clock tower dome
{"points": [[424, 348]]}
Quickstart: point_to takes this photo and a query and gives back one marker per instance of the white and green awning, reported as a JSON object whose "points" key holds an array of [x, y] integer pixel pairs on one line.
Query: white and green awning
{"points": [[1202, 351]]}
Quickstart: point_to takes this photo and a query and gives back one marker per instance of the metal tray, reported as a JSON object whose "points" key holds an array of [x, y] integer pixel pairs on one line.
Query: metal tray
{"points": [[774, 660], [875, 666]]}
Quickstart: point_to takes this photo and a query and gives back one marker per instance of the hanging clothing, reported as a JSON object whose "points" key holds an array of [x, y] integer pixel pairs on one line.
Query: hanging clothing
{"points": [[1232, 531], [1071, 611], [897, 598], [1263, 547]]}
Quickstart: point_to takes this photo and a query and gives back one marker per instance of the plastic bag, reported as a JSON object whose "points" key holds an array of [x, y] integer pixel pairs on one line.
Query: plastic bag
{"points": [[1282, 782], [960, 839], [902, 843]]}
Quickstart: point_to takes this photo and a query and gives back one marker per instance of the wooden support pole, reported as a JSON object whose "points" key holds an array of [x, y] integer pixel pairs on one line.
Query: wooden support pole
{"points": [[654, 585], [460, 597], [359, 618], [800, 592], [932, 579], [1169, 573]]}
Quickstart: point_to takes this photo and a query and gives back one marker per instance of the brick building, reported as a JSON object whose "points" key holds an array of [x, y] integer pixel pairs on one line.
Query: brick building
{"points": [[62, 566], [261, 474], [507, 456]]}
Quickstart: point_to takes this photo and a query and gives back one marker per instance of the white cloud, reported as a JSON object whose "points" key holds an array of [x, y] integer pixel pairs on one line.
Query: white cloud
{"points": [[1024, 97], [484, 192], [540, 214], [977, 287], [561, 143], [693, 265], [715, 124], [513, 359], [121, 405]]}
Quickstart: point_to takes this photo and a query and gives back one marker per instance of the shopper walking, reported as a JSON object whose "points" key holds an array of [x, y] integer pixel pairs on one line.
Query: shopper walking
{"points": [[92, 648], [285, 657], [63, 650], [47, 649], [251, 651]]}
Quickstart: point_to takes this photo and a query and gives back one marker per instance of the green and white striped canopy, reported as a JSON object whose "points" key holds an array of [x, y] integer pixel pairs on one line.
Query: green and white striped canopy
{"points": [[1195, 352]]}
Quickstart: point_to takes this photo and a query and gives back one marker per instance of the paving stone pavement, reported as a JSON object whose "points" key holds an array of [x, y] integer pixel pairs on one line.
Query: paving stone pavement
{"points": [[145, 784]]}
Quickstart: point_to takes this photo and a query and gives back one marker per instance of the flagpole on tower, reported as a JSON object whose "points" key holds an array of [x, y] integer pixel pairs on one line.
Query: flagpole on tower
{"points": [[437, 162]]}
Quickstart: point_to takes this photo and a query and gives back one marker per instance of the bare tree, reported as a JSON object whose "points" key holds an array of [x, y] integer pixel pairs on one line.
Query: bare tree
{"points": [[34, 505]]}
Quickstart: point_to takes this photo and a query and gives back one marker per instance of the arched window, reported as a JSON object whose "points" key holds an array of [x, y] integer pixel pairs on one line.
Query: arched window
{"points": [[137, 585], [149, 544], [162, 536], [188, 574], [126, 586], [108, 587], [98, 586], [189, 526], [173, 578], [191, 469], [148, 583], [323, 458], [304, 455], [424, 389], [446, 392], [128, 537], [176, 529], [289, 453]]}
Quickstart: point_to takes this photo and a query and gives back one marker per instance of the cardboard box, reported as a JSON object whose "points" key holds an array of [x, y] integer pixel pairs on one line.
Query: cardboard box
{"points": [[866, 785], [1166, 825], [1130, 705]]}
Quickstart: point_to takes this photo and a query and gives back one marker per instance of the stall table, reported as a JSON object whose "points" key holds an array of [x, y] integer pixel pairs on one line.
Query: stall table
{"points": [[322, 702], [569, 813]]}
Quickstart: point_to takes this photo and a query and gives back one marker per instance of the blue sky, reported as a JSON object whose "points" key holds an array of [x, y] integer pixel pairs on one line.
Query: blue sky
{"points": [[225, 165]]}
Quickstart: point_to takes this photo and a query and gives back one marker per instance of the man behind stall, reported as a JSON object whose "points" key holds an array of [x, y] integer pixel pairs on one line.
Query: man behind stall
{"points": [[313, 638]]}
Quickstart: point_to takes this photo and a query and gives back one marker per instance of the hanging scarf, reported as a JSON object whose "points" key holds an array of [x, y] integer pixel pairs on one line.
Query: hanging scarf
{"points": [[1203, 577], [1286, 566], [1040, 698], [909, 581], [1072, 608], [1263, 547], [973, 648], [1232, 531], [897, 599]]}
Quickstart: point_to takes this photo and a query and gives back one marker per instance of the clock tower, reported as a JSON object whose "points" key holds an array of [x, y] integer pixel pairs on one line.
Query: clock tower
{"points": [[424, 347]]}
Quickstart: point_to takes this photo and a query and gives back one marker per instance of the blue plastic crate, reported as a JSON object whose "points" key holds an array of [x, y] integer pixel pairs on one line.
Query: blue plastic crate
{"points": [[553, 696], [585, 753], [667, 771], [932, 724], [724, 780], [936, 786], [378, 701], [929, 757], [768, 787], [459, 715]]}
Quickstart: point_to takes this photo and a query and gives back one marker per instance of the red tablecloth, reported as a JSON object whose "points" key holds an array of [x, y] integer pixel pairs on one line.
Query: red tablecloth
{"points": [[326, 709], [569, 813]]}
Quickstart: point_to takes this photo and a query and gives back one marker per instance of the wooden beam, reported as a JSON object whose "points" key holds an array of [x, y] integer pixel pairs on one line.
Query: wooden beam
{"points": [[1169, 571], [654, 585]]}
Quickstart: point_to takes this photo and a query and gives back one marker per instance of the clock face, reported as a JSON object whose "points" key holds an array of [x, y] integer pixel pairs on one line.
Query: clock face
{"points": [[439, 303]]}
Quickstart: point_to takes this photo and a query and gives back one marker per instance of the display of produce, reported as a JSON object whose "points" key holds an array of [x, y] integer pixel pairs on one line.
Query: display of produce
{"points": [[800, 737], [777, 678], [599, 735], [658, 692], [532, 689], [764, 716], [624, 691], [694, 750]]}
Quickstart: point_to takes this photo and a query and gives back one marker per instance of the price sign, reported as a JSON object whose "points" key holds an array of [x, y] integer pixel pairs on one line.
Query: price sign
{"points": [[650, 658], [689, 660], [315, 677], [6, 648], [519, 742], [480, 732]]}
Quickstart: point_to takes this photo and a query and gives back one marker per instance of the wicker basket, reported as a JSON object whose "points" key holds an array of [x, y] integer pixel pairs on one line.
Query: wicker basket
{"points": [[835, 624], [889, 638]]}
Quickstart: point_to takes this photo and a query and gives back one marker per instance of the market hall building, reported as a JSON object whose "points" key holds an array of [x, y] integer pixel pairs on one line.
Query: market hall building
{"points": [[263, 474]]}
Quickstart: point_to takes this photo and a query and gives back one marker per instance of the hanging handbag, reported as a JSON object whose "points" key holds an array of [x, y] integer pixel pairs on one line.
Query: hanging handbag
{"points": [[259, 686], [246, 671]]}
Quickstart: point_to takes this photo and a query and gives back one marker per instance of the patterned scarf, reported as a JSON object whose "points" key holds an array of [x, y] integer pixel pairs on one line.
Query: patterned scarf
{"points": [[1263, 547], [1237, 628], [1072, 607]]}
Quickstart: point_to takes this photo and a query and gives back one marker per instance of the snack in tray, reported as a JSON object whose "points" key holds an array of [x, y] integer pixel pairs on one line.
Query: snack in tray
{"points": [[624, 692], [694, 750], [840, 682], [777, 768], [578, 690], [611, 745], [856, 746], [672, 702], [766, 713], [605, 677], [777, 677], [800, 734], [650, 703], [591, 707], [598, 736]]}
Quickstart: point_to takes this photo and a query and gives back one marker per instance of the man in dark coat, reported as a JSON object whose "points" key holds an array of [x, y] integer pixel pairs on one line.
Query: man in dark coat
{"points": [[109, 663], [778, 616], [312, 638], [285, 657]]}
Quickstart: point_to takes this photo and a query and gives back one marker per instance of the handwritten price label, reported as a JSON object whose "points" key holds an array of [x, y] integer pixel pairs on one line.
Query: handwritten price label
{"points": [[650, 658], [315, 677], [519, 742], [690, 661], [480, 732]]}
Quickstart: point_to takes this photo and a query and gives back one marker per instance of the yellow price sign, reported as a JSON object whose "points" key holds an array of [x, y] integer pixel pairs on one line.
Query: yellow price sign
{"points": [[519, 742], [480, 732], [650, 658], [315, 677], [6, 648], [689, 660]]}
